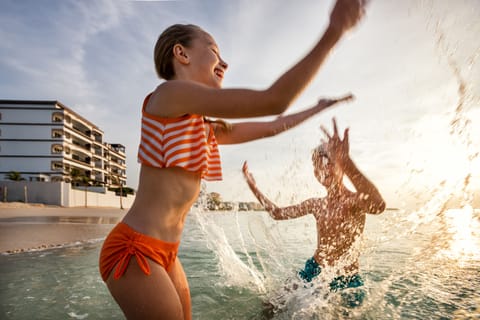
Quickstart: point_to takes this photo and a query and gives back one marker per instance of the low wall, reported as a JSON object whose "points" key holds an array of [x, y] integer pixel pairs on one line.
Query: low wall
{"points": [[31, 192], [80, 198], [61, 194]]}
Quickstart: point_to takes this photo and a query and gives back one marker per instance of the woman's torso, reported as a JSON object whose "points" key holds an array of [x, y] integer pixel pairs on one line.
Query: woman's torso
{"points": [[175, 153], [164, 197]]}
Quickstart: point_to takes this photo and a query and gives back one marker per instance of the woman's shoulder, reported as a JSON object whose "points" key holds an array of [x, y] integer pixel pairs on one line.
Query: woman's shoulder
{"points": [[170, 86], [173, 98]]}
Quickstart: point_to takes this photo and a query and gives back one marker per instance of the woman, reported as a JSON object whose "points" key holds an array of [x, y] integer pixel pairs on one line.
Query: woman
{"points": [[179, 147]]}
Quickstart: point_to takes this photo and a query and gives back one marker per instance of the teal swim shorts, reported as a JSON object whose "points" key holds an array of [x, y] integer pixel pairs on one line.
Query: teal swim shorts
{"points": [[312, 270]]}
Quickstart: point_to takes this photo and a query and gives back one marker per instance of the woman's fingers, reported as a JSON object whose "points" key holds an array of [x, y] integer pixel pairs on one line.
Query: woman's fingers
{"points": [[347, 97]]}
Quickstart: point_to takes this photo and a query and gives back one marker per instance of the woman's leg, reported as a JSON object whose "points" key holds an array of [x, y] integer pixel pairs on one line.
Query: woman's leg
{"points": [[180, 282], [146, 297]]}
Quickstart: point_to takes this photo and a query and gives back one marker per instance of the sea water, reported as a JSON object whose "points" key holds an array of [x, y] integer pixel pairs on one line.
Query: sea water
{"points": [[238, 265]]}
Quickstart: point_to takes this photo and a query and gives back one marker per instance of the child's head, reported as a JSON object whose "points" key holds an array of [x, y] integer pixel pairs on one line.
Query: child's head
{"points": [[187, 50], [324, 168]]}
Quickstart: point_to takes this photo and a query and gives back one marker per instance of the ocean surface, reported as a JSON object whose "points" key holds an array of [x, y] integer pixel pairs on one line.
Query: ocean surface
{"points": [[415, 265]]}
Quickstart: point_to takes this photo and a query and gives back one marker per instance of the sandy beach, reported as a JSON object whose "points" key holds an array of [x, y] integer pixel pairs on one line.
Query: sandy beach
{"points": [[36, 226]]}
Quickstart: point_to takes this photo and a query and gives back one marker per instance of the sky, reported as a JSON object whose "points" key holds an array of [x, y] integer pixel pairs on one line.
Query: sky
{"points": [[412, 65]]}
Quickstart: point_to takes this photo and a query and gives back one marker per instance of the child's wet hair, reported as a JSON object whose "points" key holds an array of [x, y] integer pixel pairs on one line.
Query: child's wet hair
{"points": [[319, 152], [163, 53]]}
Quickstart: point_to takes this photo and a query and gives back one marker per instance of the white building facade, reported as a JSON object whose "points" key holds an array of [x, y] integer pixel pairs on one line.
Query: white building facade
{"points": [[47, 141]]}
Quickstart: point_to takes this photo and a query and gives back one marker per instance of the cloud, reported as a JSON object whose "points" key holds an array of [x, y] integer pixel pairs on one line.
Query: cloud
{"points": [[47, 49]]}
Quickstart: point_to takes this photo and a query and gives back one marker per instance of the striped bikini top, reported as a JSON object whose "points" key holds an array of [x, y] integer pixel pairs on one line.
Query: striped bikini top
{"points": [[187, 142]]}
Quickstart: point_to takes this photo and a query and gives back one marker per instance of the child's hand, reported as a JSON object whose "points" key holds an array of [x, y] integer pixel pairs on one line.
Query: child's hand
{"points": [[337, 148]]}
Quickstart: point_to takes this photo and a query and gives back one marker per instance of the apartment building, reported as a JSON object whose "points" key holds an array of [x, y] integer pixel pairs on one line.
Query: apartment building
{"points": [[47, 141]]}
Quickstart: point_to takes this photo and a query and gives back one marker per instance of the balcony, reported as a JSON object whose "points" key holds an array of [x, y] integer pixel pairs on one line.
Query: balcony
{"points": [[81, 129], [118, 148], [57, 117], [81, 144], [97, 137], [81, 157]]}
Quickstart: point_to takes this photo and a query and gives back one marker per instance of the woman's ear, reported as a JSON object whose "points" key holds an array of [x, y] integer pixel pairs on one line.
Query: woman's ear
{"points": [[180, 54]]}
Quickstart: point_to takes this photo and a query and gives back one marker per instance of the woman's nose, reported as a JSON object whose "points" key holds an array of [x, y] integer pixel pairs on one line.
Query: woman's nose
{"points": [[223, 64]]}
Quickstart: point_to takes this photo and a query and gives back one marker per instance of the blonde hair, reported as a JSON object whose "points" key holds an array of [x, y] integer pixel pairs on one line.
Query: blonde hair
{"points": [[163, 53]]}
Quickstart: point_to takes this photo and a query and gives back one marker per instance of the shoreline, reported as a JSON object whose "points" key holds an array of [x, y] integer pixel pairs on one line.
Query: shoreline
{"points": [[31, 227]]}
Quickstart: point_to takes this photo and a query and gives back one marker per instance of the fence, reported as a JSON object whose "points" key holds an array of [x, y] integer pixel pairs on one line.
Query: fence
{"points": [[61, 194]]}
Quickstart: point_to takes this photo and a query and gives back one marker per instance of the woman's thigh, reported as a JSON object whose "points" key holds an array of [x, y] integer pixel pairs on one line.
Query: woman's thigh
{"points": [[146, 297], [179, 279]]}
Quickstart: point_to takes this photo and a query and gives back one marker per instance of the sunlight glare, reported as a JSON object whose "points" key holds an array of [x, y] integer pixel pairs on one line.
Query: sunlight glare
{"points": [[464, 226]]}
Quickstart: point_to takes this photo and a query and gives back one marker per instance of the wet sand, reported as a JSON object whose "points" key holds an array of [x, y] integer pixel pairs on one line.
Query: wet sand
{"points": [[27, 227]]}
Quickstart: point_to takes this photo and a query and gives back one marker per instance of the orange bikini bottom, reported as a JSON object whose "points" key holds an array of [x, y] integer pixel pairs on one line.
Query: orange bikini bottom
{"points": [[123, 242]]}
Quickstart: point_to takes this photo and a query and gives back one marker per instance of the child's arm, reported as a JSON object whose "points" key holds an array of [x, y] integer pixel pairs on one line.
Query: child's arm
{"points": [[368, 197], [248, 131], [276, 212]]}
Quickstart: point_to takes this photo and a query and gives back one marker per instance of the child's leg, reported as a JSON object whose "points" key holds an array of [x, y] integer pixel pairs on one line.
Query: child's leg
{"points": [[146, 297], [180, 282]]}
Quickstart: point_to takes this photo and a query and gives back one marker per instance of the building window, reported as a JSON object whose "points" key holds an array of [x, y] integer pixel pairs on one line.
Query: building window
{"points": [[57, 166], [56, 133], [57, 117], [39, 179], [0, 116], [67, 150], [57, 148]]}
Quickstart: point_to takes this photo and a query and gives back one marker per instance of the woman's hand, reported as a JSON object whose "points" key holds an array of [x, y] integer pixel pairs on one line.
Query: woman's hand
{"points": [[346, 14], [325, 103], [337, 148], [322, 104]]}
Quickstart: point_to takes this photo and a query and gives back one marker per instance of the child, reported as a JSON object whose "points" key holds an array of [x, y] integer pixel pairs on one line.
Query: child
{"points": [[340, 215], [178, 148]]}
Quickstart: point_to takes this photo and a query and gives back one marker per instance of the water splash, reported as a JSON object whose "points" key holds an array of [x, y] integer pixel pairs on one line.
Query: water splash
{"points": [[435, 249], [442, 243], [467, 98], [234, 270]]}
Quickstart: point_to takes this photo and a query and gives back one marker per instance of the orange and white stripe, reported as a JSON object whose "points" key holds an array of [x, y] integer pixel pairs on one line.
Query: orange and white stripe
{"points": [[187, 142]]}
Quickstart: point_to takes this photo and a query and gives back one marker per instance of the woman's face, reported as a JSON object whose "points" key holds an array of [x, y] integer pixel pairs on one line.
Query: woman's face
{"points": [[207, 65]]}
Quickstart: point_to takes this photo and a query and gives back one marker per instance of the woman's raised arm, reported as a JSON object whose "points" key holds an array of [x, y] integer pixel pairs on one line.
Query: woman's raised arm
{"points": [[178, 97]]}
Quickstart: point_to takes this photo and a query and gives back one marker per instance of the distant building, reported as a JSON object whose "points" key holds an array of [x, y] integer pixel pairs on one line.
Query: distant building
{"points": [[47, 141]]}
